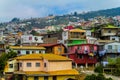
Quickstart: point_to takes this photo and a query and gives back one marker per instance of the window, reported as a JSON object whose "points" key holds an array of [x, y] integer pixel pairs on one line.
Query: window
{"points": [[45, 65], [28, 64], [33, 51], [80, 56], [18, 52], [91, 57], [109, 31], [37, 64], [20, 64], [113, 38], [40, 52], [109, 46], [54, 78], [36, 78], [45, 77], [10, 65], [59, 49], [27, 52], [79, 47], [82, 34]]}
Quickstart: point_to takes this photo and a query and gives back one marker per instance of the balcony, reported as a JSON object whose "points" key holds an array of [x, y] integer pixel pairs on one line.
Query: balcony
{"points": [[109, 34], [86, 60], [112, 51]]}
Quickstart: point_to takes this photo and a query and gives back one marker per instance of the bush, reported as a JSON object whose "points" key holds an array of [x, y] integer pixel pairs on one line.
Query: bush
{"points": [[99, 69], [98, 77]]}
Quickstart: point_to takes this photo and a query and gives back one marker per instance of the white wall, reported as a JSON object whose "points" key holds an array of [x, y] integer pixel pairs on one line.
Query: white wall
{"points": [[114, 45], [31, 39], [114, 37]]}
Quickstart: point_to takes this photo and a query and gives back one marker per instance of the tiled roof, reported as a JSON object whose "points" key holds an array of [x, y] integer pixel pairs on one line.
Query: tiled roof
{"points": [[54, 57], [29, 57], [49, 44], [59, 72], [77, 30], [64, 72], [49, 57], [26, 47]]}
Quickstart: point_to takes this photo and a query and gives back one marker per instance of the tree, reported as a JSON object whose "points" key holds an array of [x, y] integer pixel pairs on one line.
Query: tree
{"points": [[33, 32], [4, 58], [99, 69], [15, 20]]}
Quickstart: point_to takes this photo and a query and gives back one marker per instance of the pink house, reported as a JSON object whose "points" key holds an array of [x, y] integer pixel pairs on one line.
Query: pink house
{"points": [[83, 54]]}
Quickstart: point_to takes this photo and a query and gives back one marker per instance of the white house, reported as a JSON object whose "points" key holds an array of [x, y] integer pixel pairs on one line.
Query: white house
{"points": [[113, 47], [31, 39]]}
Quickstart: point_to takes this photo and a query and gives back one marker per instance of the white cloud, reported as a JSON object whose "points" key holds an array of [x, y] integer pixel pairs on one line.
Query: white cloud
{"points": [[38, 8]]}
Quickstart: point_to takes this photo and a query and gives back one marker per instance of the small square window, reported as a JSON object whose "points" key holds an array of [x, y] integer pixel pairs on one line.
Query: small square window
{"points": [[45, 77], [37, 64], [28, 64], [27, 52], [109, 46], [36, 78], [10, 65], [109, 31]]}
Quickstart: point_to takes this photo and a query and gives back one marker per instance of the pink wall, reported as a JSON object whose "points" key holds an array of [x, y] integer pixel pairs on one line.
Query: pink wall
{"points": [[33, 67]]}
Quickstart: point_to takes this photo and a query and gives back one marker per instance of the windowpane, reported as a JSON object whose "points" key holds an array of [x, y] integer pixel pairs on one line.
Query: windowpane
{"points": [[10, 65], [36, 78], [27, 52], [28, 64], [109, 46], [54, 78], [45, 77], [37, 64]]}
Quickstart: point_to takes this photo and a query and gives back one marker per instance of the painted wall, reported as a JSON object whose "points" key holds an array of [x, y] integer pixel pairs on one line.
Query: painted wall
{"points": [[104, 32], [33, 65], [114, 38], [54, 66], [8, 69], [82, 48], [31, 39], [115, 46], [74, 42], [58, 49]]}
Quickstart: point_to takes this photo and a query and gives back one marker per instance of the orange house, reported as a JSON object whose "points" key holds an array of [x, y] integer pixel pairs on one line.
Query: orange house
{"points": [[54, 48]]}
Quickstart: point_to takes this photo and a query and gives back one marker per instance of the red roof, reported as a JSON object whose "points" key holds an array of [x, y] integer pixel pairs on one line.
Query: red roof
{"points": [[69, 27]]}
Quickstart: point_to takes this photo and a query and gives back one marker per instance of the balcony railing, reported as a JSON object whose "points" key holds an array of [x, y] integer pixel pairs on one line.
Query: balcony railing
{"points": [[112, 51]]}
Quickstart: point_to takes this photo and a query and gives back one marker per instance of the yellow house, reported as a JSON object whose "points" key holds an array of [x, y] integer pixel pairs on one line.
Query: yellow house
{"points": [[54, 48], [43, 67]]}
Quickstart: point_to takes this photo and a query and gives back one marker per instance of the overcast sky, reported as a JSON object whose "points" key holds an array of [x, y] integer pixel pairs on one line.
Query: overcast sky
{"points": [[41, 8]]}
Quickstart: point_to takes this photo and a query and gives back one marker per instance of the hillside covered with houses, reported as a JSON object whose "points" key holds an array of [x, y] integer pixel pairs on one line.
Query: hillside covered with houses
{"points": [[56, 52]]}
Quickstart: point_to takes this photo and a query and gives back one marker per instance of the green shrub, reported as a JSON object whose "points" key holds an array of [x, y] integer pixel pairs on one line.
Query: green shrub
{"points": [[99, 69], [98, 77]]}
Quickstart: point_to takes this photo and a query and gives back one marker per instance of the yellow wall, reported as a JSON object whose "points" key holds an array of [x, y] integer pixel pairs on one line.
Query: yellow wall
{"points": [[51, 78], [56, 51]]}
